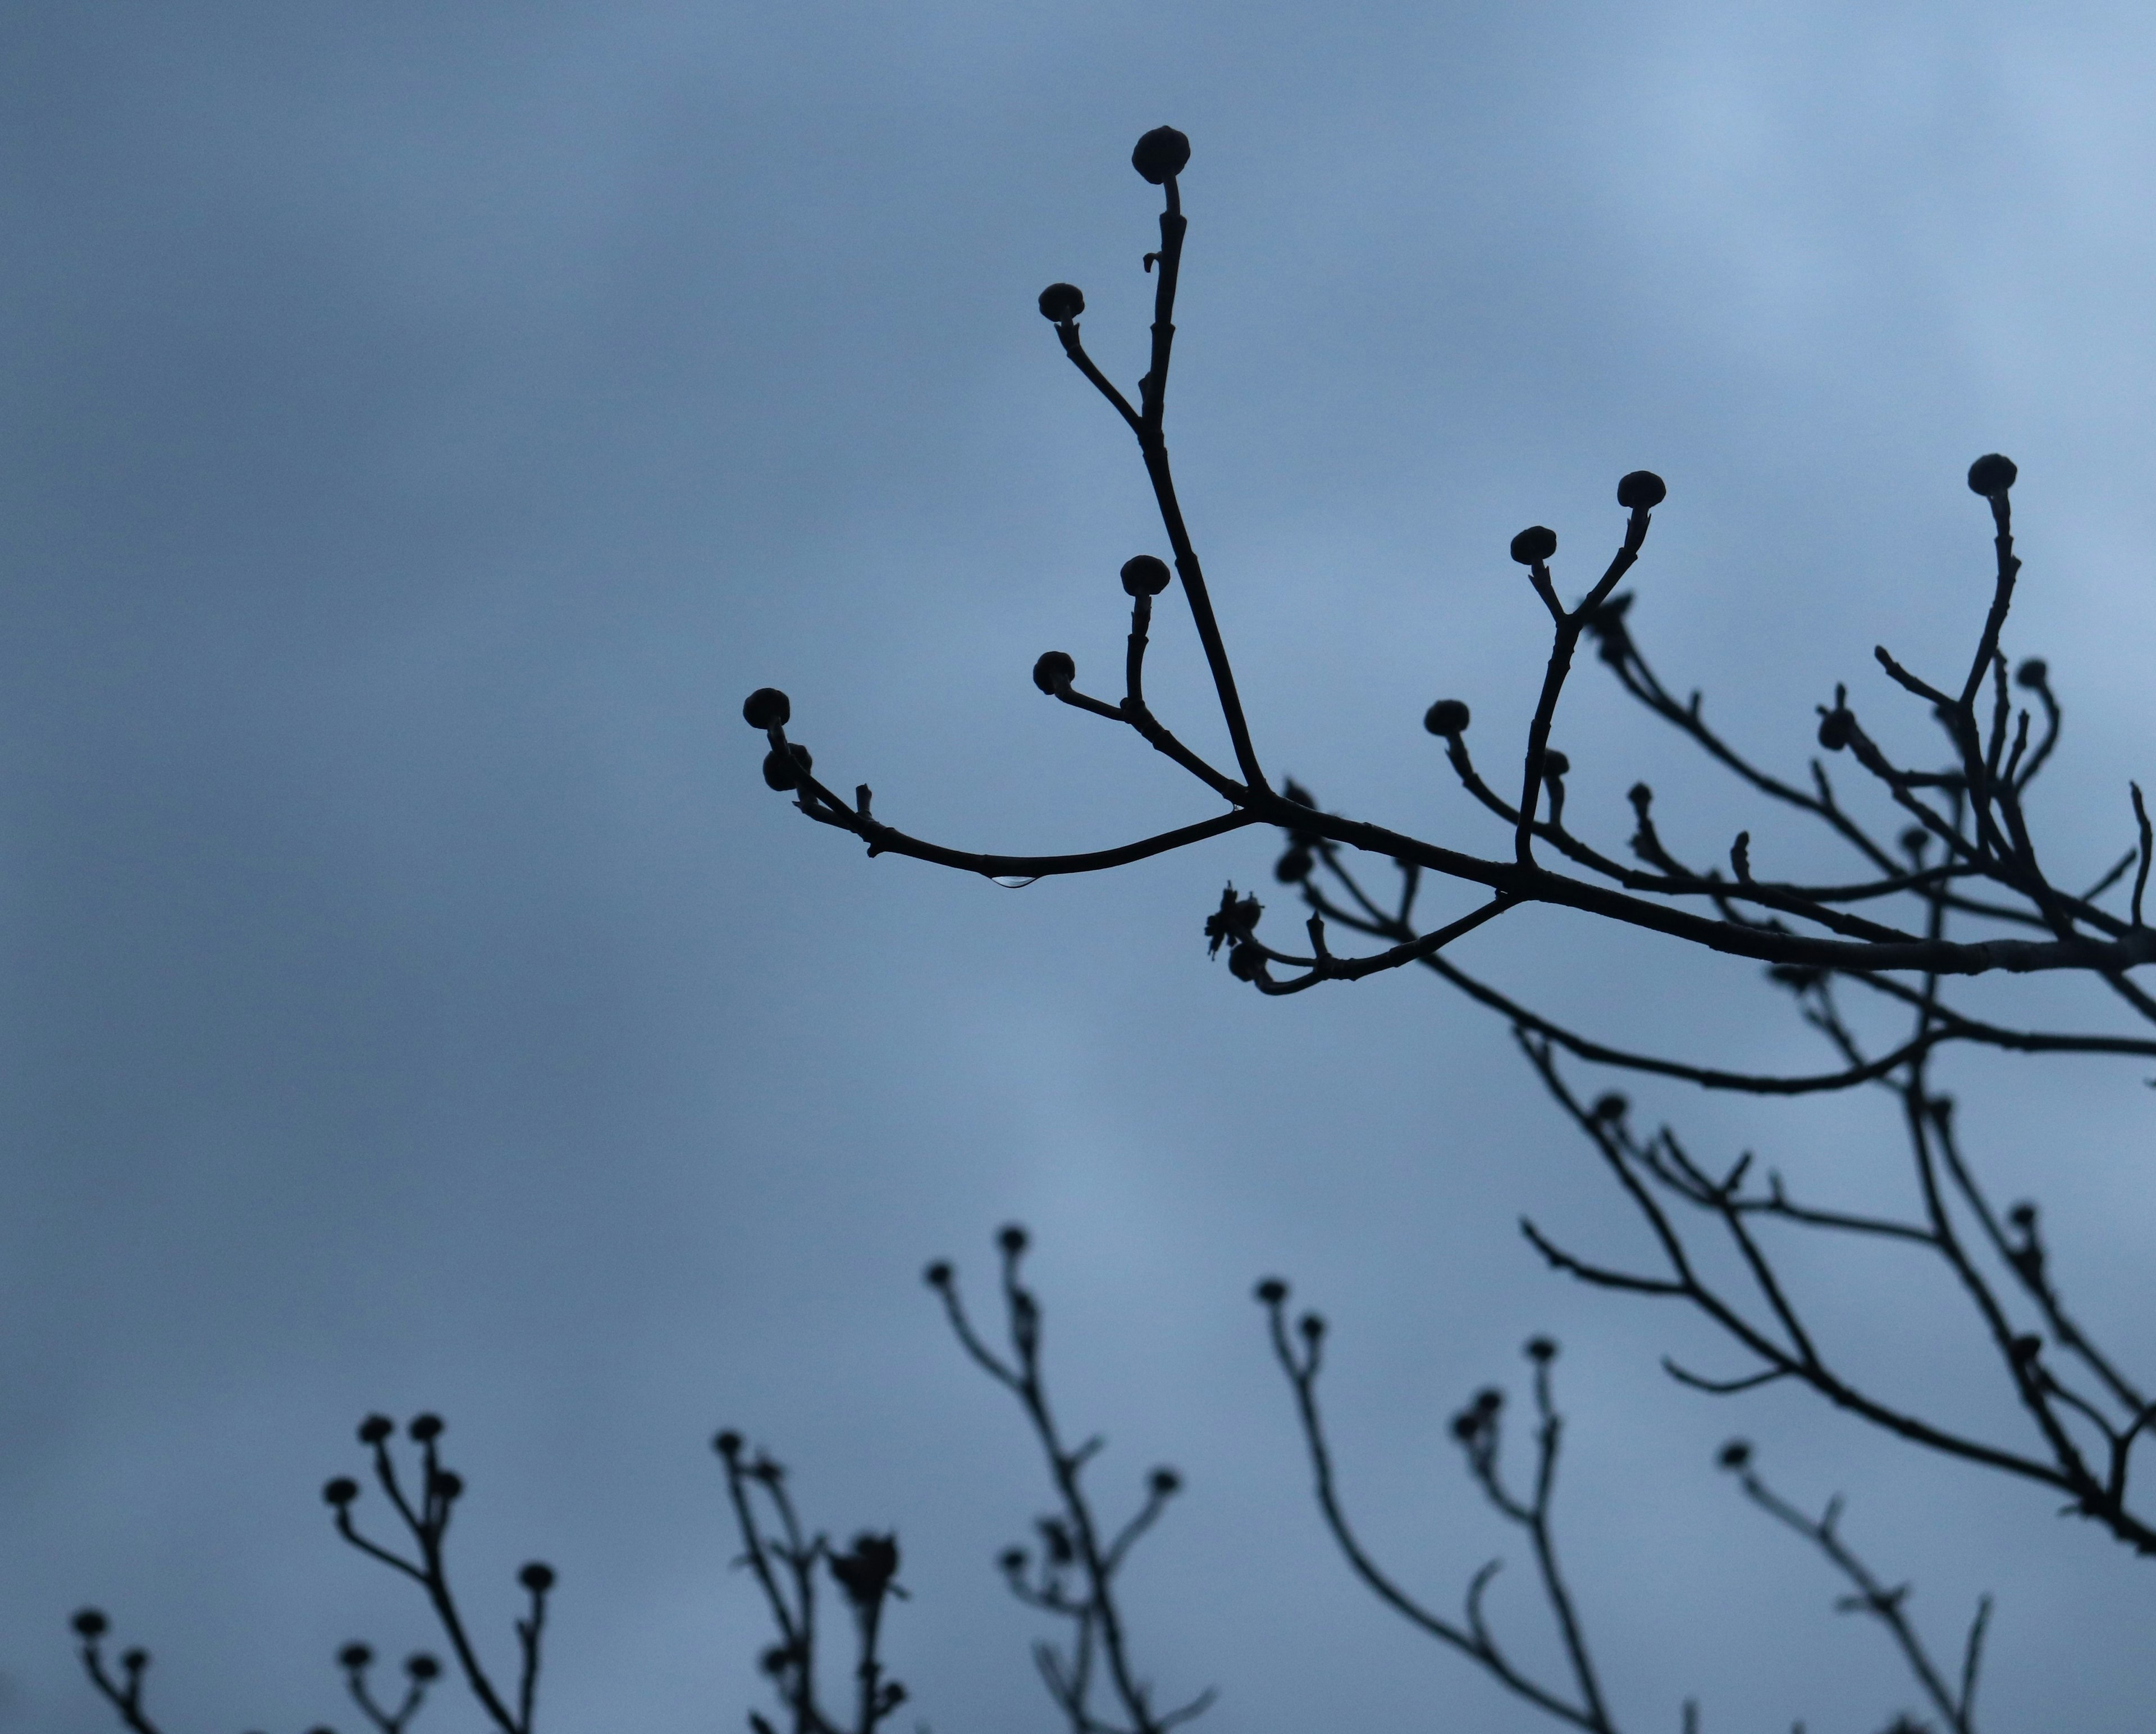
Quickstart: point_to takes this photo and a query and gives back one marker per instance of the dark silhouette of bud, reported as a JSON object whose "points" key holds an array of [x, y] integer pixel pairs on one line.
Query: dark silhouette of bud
{"points": [[776, 1659], [90, 1623], [375, 1428], [783, 769], [1163, 1481], [767, 708], [1489, 1400], [1991, 474], [135, 1661], [865, 1573], [2027, 1348], [538, 1578], [1611, 1106], [1916, 840], [1555, 763], [1161, 155], [1143, 575], [355, 1656], [1271, 1291], [1295, 866], [1246, 962], [1466, 1425], [1054, 669], [424, 1428], [1312, 1327], [1641, 491], [1736, 1455], [2033, 673], [938, 1275], [446, 1485], [1835, 730], [727, 1444], [1447, 717], [341, 1492], [1012, 1560], [1012, 1239], [422, 1667], [1062, 302], [2023, 1216], [1534, 544], [1541, 1349]]}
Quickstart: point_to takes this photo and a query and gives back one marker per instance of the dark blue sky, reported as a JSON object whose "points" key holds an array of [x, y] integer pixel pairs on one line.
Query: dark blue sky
{"points": [[423, 424]]}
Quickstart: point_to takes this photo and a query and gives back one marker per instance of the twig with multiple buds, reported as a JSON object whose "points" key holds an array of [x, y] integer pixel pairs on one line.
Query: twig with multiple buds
{"points": [[784, 1559], [425, 1514], [1073, 1576]]}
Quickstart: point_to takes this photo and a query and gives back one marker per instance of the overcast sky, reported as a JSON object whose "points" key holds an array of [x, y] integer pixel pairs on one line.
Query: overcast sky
{"points": [[423, 424]]}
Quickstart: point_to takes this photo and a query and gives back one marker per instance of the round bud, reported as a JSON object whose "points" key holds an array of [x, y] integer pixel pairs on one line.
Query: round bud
{"points": [[1447, 717], [1613, 1106], [1164, 1481], [1834, 730], [1916, 840], [90, 1623], [422, 1667], [1312, 1325], [1541, 1349], [1012, 1560], [1012, 1239], [1991, 474], [1246, 963], [446, 1485], [1555, 763], [2033, 673], [341, 1492], [1736, 1455], [1295, 865], [727, 1444], [538, 1577], [1271, 1291], [1489, 1400], [355, 1655], [2027, 1348], [783, 769], [939, 1275], [1145, 574], [1641, 491], [2023, 1216], [767, 708], [1062, 302], [1466, 1425], [1161, 155], [1533, 545], [1055, 668], [375, 1428], [425, 1427], [135, 1661]]}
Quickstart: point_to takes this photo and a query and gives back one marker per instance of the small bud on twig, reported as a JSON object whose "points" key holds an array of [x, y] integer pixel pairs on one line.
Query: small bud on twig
{"points": [[1534, 544], [1055, 668], [1161, 155], [1992, 474], [767, 708], [1062, 302], [1642, 490], [1145, 574], [1447, 718]]}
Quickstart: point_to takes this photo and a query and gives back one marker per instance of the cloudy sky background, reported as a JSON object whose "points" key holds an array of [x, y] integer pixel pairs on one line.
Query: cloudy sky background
{"points": [[423, 424]]}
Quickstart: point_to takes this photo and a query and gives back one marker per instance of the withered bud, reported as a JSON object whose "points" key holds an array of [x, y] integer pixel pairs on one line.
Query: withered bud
{"points": [[1246, 962], [538, 1577], [375, 1428], [1055, 668], [1295, 866], [1163, 1481], [783, 769], [1534, 544], [446, 1485], [1991, 475], [727, 1444], [1489, 1400], [340, 1492], [1160, 155], [938, 1275], [425, 1427], [1447, 718], [2023, 1216], [1271, 1291], [90, 1623], [2033, 673], [1611, 1106], [767, 708], [1642, 490], [1555, 763], [1835, 730], [1062, 302], [1312, 1325], [422, 1667], [1012, 1239], [1736, 1455], [1541, 1349], [1012, 1561], [1916, 840], [1145, 574], [355, 1656]]}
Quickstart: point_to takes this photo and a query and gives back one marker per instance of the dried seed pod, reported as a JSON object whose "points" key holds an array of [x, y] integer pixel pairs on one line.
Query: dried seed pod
{"points": [[767, 708], [1642, 490], [1054, 668], [1145, 574], [1992, 474], [1062, 302], [1835, 730], [1161, 155], [1447, 717], [783, 769], [1534, 544]]}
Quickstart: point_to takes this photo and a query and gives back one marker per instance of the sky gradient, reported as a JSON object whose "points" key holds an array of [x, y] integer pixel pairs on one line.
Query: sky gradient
{"points": [[423, 426]]}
